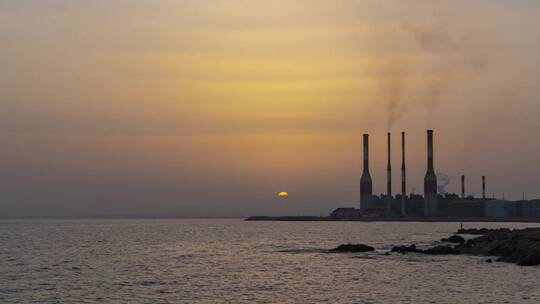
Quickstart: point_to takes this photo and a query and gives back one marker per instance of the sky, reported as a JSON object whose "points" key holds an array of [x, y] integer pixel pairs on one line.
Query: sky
{"points": [[144, 108]]}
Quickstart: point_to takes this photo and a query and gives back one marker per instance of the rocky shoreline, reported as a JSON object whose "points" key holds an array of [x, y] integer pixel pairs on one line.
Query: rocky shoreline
{"points": [[521, 247]]}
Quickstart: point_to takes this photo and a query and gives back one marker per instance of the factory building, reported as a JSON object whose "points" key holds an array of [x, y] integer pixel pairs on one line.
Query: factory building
{"points": [[466, 209], [388, 205], [500, 209], [528, 209], [431, 204]]}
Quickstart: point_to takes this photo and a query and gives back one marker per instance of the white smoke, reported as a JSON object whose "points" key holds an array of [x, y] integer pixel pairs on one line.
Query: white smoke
{"points": [[443, 180]]}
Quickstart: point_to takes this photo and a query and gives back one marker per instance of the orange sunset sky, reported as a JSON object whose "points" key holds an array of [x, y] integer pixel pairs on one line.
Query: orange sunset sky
{"points": [[211, 108]]}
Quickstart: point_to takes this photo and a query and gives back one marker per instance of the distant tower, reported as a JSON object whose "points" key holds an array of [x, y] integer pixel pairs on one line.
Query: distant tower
{"points": [[366, 184], [403, 175], [463, 186], [483, 187], [389, 175], [430, 181]]}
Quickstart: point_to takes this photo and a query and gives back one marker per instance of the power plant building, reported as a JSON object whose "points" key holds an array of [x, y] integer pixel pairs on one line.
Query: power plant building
{"points": [[431, 204], [500, 209], [466, 209], [528, 209]]}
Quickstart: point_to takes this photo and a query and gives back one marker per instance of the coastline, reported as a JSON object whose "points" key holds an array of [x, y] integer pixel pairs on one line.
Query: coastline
{"points": [[381, 219]]}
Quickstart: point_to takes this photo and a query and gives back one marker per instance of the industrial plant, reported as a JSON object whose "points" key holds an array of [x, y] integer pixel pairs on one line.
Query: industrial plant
{"points": [[432, 204]]}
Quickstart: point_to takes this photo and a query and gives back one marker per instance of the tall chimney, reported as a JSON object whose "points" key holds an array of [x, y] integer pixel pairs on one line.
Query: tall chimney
{"points": [[403, 175], [366, 187], [430, 181], [389, 175], [483, 187], [463, 186]]}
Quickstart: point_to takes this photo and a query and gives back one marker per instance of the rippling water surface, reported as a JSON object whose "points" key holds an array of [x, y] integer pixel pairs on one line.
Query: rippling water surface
{"points": [[232, 261]]}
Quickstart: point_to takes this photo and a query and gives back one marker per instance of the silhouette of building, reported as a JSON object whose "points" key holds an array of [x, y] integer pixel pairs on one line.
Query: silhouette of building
{"points": [[366, 184], [430, 181]]}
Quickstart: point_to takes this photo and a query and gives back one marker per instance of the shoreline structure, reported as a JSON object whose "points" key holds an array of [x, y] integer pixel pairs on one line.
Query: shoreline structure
{"points": [[389, 219]]}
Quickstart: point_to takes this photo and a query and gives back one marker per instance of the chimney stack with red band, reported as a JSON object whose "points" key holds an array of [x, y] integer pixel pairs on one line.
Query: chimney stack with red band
{"points": [[430, 181], [389, 175], [403, 175], [366, 187], [463, 186], [483, 187]]}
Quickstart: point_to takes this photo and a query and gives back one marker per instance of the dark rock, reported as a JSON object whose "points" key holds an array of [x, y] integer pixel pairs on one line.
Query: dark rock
{"points": [[437, 250], [353, 248], [521, 247], [473, 231], [529, 260], [469, 243], [440, 250], [502, 248], [454, 239], [481, 231], [406, 249]]}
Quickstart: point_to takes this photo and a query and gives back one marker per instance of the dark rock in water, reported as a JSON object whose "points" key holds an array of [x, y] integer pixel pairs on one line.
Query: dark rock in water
{"points": [[473, 231], [468, 243], [353, 248], [406, 249], [481, 231], [530, 260], [521, 247], [387, 253], [439, 250], [454, 239]]}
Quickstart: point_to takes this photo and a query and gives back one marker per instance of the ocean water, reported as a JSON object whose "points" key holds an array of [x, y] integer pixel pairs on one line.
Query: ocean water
{"points": [[232, 261]]}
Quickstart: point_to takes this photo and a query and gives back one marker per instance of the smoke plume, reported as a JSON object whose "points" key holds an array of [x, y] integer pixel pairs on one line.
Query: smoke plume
{"points": [[443, 180], [393, 82], [436, 55]]}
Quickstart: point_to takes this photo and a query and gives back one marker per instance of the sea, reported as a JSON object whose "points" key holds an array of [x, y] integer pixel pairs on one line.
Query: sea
{"points": [[234, 261]]}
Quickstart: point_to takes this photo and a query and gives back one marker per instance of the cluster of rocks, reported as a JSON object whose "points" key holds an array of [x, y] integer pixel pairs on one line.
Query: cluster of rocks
{"points": [[521, 247], [481, 231], [354, 248], [437, 250], [457, 239]]}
